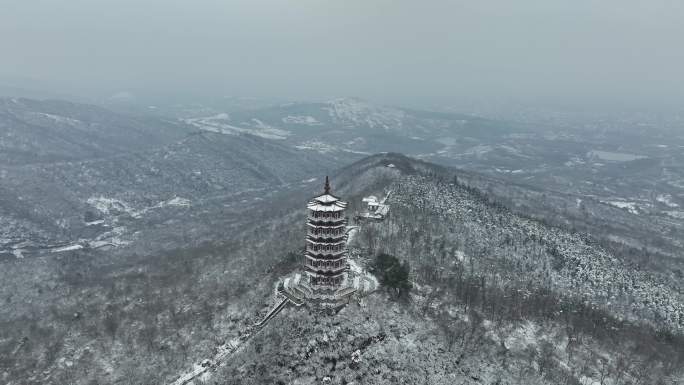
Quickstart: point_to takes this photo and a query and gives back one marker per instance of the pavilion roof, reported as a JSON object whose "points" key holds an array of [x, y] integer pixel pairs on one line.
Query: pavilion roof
{"points": [[327, 201], [326, 198], [326, 243], [326, 226], [334, 206]]}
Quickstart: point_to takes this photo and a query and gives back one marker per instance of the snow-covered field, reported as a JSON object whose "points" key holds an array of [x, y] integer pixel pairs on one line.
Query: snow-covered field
{"points": [[666, 199], [301, 119], [353, 112], [59, 118], [113, 206], [67, 248], [220, 124], [676, 214], [610, 156], [318, 146], [632, 207]]}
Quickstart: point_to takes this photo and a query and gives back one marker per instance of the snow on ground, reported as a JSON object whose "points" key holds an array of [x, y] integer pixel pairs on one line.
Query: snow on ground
{"points": [[219, 116], [512, 150], [523, 336], [115, 207], [477, 151], [59, 118], [676, 214], [205, 377], [177, 201], [358, 141], [112, 206], [75, 246], [219, 124], [351, 232], [363, 281], [589, 272], [613, 156], [110, 238], [356, 152], [666, 199], [354, 267], [630, 206], [357, 113], [317, 146], [301, 119]]}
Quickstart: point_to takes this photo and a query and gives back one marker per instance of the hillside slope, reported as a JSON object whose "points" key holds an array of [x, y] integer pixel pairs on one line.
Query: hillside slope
{"points": [[78, 176], [496, 298], [33, 131]]}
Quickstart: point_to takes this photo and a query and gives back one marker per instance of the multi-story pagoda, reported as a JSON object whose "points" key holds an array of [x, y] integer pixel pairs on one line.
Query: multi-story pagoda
{"points": [[326, 241], [325, 281]]}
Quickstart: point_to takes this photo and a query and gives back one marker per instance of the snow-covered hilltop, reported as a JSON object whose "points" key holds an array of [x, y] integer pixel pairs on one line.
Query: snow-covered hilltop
{"points": [[33, 131], [497, 298], [507, 246], [356, 113]]}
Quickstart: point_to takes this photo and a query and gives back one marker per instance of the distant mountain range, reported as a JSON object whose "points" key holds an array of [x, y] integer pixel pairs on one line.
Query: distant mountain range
{"points": [[59, 159], [34, 131], [620, 163], [355, 126]]}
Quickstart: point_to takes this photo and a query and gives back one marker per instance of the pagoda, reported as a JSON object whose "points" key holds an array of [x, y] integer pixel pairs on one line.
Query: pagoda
{"points": [[325, 281], [326, 241]]}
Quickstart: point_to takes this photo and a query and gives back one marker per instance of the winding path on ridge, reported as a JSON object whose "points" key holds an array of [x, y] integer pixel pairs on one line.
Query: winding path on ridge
{"points": [[233, 346]]}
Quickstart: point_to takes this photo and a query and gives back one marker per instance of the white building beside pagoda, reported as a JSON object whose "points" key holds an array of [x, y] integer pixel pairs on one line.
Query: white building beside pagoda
{"points": [[376, 209]]}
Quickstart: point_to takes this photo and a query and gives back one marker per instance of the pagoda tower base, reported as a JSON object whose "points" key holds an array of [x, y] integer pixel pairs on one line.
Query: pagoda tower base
{"points": [[355, 284]]}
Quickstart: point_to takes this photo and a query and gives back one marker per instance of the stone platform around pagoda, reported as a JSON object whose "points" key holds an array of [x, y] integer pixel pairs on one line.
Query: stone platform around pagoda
{"points": [[356, 284]]}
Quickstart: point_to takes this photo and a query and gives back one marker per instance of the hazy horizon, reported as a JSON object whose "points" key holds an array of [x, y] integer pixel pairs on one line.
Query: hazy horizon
{"points": [[588, 54]]}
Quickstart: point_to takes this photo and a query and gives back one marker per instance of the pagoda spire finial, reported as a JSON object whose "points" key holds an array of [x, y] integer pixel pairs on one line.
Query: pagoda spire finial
{"points": [[327, 185]]}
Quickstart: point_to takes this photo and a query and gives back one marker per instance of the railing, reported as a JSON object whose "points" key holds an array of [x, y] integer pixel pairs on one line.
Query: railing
{"points": [[327, 265], [273, 312], [321, 269], [324, 219], [340, 234], [337, 296], [322, 251]]}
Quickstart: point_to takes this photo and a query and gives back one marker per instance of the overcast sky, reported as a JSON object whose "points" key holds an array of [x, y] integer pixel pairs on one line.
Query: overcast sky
{"points": [[392, 51]]}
